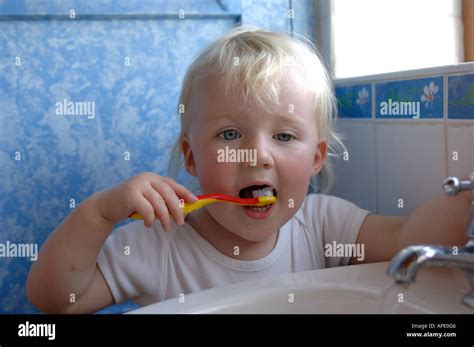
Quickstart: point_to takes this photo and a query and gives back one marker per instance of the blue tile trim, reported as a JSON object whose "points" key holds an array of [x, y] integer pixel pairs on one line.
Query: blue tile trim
{"points": [[410, 99], [354, 101], [461, 97]]}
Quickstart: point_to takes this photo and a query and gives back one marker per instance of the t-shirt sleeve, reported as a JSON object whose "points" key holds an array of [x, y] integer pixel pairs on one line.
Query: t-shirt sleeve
{"points": [[336, 223], [131, 261]]}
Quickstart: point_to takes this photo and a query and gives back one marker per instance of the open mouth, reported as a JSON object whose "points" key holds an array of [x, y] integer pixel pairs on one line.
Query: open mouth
{"points": [[255, 191]]}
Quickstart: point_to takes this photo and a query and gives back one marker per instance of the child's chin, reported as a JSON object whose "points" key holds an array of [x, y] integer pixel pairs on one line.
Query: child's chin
{"points": [[256, 235]]}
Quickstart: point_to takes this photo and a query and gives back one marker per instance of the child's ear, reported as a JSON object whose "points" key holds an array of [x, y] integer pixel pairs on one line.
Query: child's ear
{"points": [[189, 163], [319, 157]]}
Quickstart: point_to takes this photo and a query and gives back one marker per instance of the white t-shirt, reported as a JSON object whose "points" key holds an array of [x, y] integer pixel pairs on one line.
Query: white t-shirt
{"points": [[147, 265]]}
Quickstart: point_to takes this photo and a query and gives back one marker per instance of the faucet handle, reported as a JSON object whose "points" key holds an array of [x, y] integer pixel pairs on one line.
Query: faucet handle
{"points": [[452, 186]]}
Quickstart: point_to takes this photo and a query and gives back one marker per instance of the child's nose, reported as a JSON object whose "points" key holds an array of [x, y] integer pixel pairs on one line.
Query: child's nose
{"points": [[262, 152]]}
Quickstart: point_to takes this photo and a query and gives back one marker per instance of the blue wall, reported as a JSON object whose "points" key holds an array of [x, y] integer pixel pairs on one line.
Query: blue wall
{"points": [[128, 58]]}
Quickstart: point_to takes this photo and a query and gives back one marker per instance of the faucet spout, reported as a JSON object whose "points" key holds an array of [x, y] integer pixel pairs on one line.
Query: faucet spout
{"points": [[405, 265]]}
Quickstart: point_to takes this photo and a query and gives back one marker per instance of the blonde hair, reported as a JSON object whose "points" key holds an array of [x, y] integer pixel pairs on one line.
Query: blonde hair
{"points": [[256, 59]]}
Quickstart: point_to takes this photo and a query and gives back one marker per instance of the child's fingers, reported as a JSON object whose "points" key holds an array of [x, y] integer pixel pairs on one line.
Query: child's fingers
{"points": [[180, 190], [160, 208], [144, 208], [172, 202]]}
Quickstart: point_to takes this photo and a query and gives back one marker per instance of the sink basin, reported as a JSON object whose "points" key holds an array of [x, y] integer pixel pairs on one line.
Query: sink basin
{"points": [[349, 289], [308, 300]]}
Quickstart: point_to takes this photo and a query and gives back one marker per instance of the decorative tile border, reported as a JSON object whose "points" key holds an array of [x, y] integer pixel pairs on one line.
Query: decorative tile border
{"points": [[421, 98], [354, 101], [446, 94], [461, 97]]}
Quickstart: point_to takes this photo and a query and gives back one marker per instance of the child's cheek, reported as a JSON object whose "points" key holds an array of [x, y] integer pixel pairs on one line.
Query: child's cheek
{"points": [[215, 177], [294, 179]]}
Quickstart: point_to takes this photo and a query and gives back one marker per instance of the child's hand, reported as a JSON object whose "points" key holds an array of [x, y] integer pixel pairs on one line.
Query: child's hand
{"points": [[151, 195]]}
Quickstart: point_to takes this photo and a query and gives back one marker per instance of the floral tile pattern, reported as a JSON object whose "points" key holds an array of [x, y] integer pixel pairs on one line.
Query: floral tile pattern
{"points": [[410, 99], [354, 101], [461, 97]]}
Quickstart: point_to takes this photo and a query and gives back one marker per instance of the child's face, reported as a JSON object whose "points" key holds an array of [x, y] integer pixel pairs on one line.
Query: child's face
{"points": [[284, 139]]}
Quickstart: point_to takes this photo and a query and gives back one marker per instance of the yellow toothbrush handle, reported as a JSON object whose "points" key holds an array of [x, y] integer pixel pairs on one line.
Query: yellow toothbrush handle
{"points": [[263, 200], [189, 207]]}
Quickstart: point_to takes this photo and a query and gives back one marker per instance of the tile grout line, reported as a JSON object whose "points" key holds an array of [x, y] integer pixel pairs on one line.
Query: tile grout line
{"points": [[374, 132], [445, 118]]}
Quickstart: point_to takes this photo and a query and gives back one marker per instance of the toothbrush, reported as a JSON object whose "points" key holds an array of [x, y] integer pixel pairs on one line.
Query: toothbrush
{"points": [[207, 199]]}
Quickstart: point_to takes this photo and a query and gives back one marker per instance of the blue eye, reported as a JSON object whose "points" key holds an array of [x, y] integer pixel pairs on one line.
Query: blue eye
{"points": [[228, 135], [284, 137]]}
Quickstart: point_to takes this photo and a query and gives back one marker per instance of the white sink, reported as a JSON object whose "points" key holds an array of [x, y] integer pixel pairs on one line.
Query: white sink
{"points": [[307, 300], [349, 289]]}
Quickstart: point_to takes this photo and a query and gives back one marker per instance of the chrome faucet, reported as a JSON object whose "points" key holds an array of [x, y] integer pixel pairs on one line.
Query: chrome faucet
{"points": [[405, 265]]}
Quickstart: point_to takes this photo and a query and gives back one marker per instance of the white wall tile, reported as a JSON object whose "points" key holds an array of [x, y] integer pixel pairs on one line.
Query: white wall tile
{"points": [[355, 178], [460, 139], [410, 165]]}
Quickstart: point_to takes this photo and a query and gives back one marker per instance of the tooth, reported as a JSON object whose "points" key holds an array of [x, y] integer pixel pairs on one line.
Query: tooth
{"points": [[267, 191]]}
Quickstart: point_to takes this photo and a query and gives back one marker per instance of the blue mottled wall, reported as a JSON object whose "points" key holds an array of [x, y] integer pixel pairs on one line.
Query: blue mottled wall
{"points": [[129, 58]]}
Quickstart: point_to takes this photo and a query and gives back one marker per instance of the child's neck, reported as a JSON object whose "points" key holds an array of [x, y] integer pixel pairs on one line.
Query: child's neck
{"points": [[225, 241]]}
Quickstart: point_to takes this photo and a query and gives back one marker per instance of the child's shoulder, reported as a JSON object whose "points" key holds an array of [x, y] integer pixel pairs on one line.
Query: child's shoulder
{"points": [[322, 205], [330, 216], [324, 201]]}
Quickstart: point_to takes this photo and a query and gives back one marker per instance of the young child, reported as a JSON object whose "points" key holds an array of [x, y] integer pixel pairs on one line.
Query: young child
{"points": [[254, 90]]}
